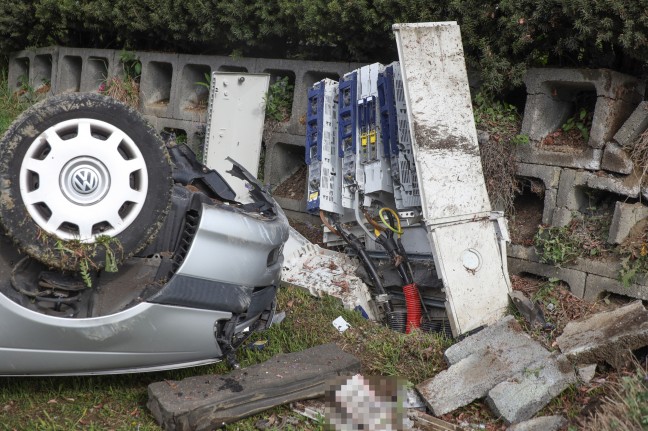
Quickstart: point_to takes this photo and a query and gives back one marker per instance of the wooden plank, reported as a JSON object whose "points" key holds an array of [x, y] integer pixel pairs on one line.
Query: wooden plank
{"points": [[211, 401]]}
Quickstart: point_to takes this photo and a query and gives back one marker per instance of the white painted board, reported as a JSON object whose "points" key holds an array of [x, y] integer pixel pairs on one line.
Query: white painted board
{"points": [[235, 124]]}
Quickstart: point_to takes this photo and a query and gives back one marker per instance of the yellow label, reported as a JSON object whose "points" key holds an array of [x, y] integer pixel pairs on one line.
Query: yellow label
{"points": [[363, 139], [372, 136], [313, 196]]}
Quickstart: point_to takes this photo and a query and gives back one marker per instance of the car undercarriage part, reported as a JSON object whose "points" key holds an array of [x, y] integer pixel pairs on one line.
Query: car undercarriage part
{"points": [[414, 164]]}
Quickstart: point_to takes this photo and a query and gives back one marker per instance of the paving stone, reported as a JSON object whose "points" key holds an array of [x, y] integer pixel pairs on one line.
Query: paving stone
{"points": [[550, 175], [542, 423], [634, 126], [522, 396], [615, 159], [574, 278], [626, 216], [606, 336], [479, 363], [207, 402], [627, 186]]}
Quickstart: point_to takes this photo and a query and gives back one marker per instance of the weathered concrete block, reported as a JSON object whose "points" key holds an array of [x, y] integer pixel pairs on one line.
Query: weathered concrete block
{"points": [[597, 285], [36, 67], [615, 159], [498, 354], [570, 193], [522, 396], [506, 333], [195, 130], [634, 126], [626, 216], [284, 156], [561, 217], [522, 252], [606, 336], [589, 158], [550, 198], [575, 279], [472, 377], [159, 83], [550, 175], [628, 186], [542, 423], [207, 402], [551, 94]]}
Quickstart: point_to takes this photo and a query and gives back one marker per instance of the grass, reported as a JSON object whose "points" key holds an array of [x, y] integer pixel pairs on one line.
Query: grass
{"points": [[12, 102]]}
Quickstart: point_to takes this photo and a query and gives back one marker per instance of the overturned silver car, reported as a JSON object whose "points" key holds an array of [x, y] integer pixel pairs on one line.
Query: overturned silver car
{"points": [[122, 253]]}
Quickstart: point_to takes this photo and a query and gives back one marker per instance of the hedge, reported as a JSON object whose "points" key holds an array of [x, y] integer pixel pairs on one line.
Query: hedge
{"points": [[501, 39]]}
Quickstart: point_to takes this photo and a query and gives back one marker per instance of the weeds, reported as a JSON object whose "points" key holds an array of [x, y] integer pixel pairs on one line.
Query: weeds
{"points": [[11, 102], [279, 100], [555, 245], [581, 121], [125, 88], [82, 255], [638, 152], [206, 83], [502, 122], [625, 409]]}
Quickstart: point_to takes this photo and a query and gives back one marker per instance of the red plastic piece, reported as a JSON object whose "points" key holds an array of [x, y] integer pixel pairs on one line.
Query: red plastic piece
{"points": [[413, 304]]}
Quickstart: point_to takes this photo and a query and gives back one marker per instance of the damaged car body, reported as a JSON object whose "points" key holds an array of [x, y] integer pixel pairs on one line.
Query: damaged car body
{"points": [[86, 186]]}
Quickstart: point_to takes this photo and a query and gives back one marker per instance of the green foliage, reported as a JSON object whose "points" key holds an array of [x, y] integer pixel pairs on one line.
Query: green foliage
{"points": [[279, 100], [582, 121], [11, 102], [83, 255], [206, 83], [556, 245], [131, 64]]}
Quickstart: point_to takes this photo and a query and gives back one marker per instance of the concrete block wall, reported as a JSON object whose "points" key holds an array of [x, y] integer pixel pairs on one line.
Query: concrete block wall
{"points": [[170, 97], [570, 178]]}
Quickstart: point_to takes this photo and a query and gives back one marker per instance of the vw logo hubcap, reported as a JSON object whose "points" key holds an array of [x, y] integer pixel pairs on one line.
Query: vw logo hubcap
{"points": [[85, 180]]}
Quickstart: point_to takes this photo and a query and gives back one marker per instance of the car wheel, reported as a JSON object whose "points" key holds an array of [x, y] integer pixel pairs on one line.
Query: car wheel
{"points": [[79, 170]]}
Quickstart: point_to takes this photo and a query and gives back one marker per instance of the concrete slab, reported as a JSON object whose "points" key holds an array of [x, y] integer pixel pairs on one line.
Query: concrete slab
{"points": [[522, 396], [615, 159], [204, 403], [542, 423], [606, 336], [626, 216], [570, 193], [480, 362]]}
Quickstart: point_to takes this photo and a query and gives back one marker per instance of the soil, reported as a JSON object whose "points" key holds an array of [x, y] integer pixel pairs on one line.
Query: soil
{"points": [[523, 225], [570, 142], [294, 187], [311, 232]]}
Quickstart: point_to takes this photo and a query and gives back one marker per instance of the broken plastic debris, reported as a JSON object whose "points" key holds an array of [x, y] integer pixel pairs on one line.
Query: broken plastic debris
{"points": [[278, 318], [341, 324]]}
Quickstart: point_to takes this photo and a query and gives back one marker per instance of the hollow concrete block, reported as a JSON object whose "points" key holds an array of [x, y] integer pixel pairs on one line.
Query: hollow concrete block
{"points": [[627, 186], [625, 217], [158, 83], [570, 193], [589, 158], [38, 66], [551, 93], [550, 175], [574, 278]]}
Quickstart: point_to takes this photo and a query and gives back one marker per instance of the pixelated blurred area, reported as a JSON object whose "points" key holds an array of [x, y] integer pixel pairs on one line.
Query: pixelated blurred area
{"points": [[360, 402]]}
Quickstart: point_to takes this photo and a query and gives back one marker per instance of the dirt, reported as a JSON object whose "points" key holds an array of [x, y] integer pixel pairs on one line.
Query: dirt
{"points": [[523, 225], [295, 186], [311, 232], [571, 142]]}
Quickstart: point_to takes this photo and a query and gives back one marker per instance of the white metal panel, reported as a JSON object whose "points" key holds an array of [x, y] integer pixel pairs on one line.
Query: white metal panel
{"points": [[235, 124], [444, 137], [466, 240], [467, 259]]}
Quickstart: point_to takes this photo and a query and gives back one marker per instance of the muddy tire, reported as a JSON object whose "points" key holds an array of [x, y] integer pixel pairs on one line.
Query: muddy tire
{"points": [[80, 173]]}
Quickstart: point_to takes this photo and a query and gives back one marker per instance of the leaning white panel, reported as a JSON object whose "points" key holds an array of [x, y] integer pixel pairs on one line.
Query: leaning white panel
{"points": [[456, 209], [235, 124]]}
